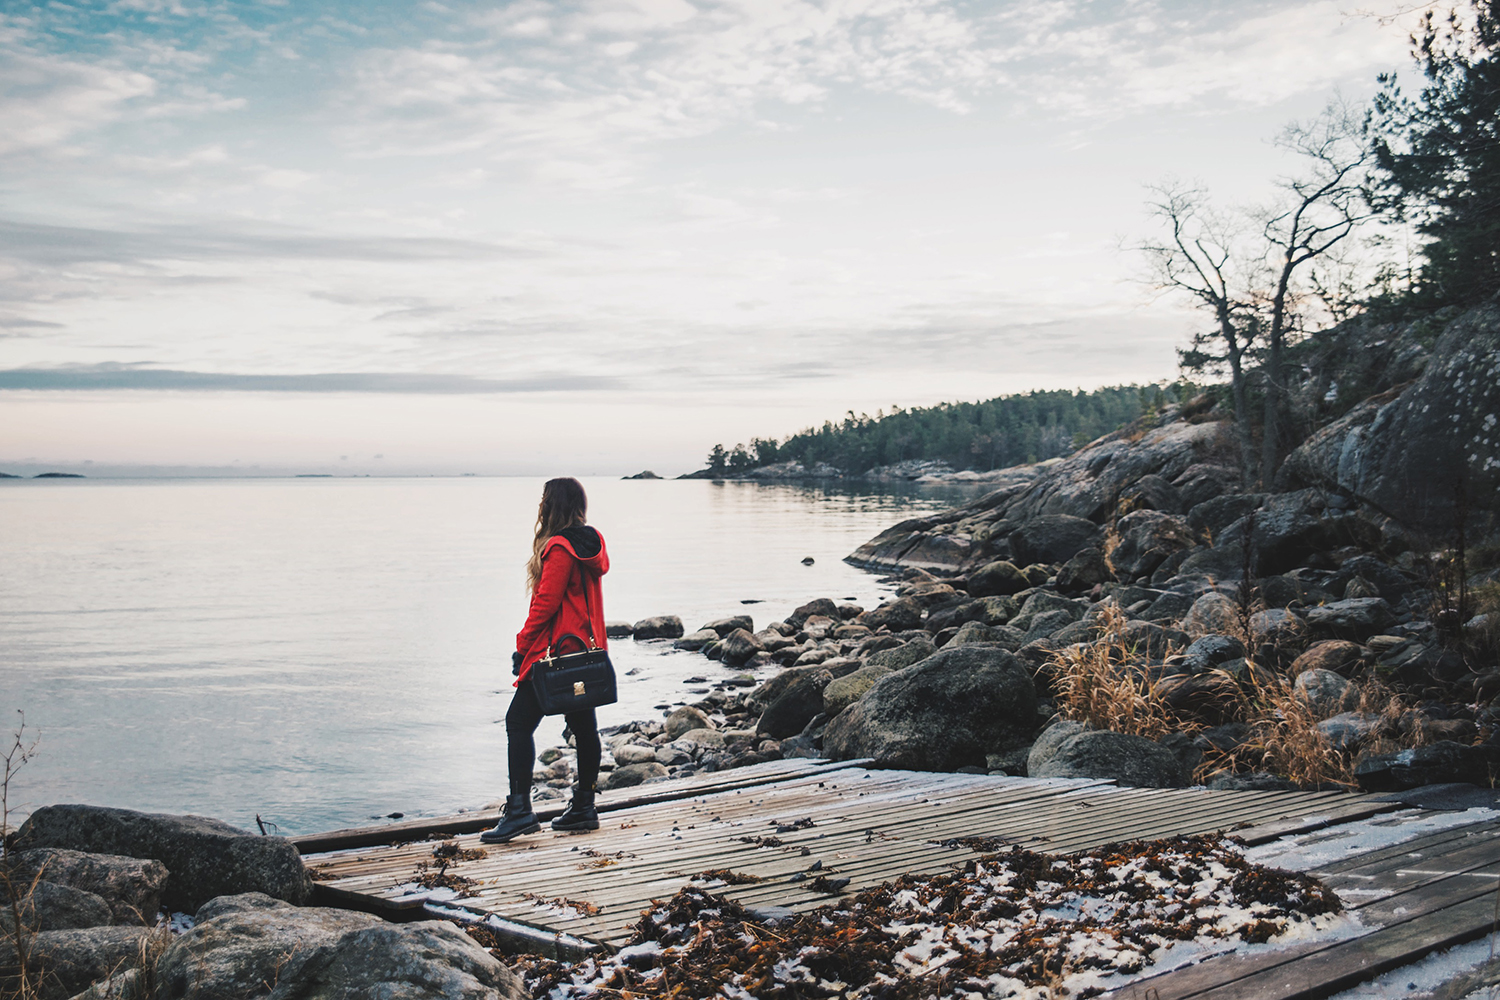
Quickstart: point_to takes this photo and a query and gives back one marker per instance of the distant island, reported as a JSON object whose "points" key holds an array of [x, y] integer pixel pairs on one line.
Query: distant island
{"points": [[648, 474], [981, 437], [54, 475]]}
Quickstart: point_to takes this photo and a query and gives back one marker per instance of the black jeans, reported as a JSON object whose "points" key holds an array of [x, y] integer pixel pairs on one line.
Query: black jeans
{"points": [[520, 728]]}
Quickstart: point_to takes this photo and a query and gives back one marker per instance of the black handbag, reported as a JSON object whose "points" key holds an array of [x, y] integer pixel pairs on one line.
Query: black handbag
{"points": [[574, 682]]}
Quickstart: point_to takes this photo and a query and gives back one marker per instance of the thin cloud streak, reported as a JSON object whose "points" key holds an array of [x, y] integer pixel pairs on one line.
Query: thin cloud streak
{"points": [[62, 245], [102, 377]]}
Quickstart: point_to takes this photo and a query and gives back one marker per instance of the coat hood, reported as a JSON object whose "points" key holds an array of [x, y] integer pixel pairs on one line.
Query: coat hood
{"points": [[586, 545]]}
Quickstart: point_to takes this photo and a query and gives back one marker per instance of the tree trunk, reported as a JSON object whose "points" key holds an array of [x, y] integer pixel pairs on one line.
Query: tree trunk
{"points": [[1242, 418], [1270, 444]]}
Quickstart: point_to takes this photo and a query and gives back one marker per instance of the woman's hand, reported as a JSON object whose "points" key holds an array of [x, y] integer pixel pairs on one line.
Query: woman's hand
{"points": [[515, 663]]}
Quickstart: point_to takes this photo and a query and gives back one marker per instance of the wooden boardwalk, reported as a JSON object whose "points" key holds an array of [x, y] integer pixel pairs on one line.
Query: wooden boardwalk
{"points": [[1417, 897], [773, 822]]}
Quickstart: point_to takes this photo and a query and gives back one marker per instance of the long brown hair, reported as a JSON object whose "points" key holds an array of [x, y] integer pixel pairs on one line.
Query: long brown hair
{"points": [[563, 506]]}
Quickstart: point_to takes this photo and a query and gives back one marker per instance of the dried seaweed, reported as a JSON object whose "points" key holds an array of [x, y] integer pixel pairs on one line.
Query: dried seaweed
{"points": [[761, 841], [582, 908], [450, 851], [984, 845], [727, 877], [805, 823], [435, 874], [599, 859], [1016, 923]]}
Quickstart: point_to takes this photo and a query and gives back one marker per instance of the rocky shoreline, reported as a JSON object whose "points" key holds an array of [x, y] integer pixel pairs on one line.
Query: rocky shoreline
{"points": [[1135, 612], [913, 471], [1132, 612]]}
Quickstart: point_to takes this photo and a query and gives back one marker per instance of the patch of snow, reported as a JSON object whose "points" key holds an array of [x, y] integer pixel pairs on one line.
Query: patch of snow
{"points": [[177, 922], [1309, 851], [1421, 978]]}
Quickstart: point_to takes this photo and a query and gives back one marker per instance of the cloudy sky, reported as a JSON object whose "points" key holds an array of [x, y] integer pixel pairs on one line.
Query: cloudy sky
{"points": [[540, 237]]}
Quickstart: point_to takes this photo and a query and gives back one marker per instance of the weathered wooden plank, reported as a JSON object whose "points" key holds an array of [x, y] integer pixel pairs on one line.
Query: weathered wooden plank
{"points": [[1336, 969], [862, 875], [1421, 849], [869, 827], [683, 861], [417, 829], [1429, 901]]}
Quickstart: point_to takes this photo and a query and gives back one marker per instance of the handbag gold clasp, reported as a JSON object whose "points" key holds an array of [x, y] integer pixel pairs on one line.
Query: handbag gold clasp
{"points": [[578, 689]]}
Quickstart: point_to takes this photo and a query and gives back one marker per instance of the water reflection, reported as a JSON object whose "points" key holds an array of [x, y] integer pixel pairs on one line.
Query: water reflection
{"points": [[323, 651]]}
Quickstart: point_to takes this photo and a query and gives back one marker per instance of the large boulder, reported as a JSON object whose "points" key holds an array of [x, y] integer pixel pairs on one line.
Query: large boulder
{"points": [[1356, 619], [1439, 763], [1042, 602], [1391, 583], [695, 641], [738, 646], [630, 775], [903, 656], [980, 634], [1052, 538], [762, 697], [929, 594], [1202, 483], [1153, 641], [824, 606], [898, 615], [1001, 577], [1087, 569], [948, 711], [1403, 451], [795, 707], [1324, 692], [204, 857], [1209, 651], [844, 691], [131, 887], [63, 963], [986, 610], [634, 753], [244, 944], [1336, 655], [1291, 528], [1044, 747], [1146, 539], [724, 626], [51, 907], [658, 627], [1348, 730], [1211, 614], [684, 719], [1120, 757], [1213, 516], [1152, 492]]}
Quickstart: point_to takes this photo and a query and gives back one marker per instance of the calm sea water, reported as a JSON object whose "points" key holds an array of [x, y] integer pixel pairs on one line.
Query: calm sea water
{"points": [[322, 652]]}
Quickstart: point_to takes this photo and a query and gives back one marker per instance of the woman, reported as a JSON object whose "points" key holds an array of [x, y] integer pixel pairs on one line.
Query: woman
{"points": [[567, 560]]}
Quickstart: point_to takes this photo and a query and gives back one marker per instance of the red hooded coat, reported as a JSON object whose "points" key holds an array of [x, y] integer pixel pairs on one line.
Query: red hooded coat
{"points": [[567, 598]]}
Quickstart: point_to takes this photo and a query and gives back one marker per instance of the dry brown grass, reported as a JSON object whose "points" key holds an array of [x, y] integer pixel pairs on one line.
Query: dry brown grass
{"points": [[1284, 736], [1091, 687], [1098, 685]]}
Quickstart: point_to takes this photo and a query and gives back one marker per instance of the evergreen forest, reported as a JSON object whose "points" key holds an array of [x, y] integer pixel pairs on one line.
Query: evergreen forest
{"points": [[1418, 167], [993, 434]]}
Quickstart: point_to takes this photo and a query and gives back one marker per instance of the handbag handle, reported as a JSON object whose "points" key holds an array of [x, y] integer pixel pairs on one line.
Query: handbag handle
{"points": [[588, 620], [565, 637]]}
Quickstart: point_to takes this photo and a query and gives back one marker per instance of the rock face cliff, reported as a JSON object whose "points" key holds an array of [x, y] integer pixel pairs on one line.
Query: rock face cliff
{"points": [[1400, 469], [1422, 449]]}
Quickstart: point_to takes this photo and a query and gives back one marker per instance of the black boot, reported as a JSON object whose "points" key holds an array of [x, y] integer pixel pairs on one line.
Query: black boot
{"points": [[516, 820], [580, 814]]}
